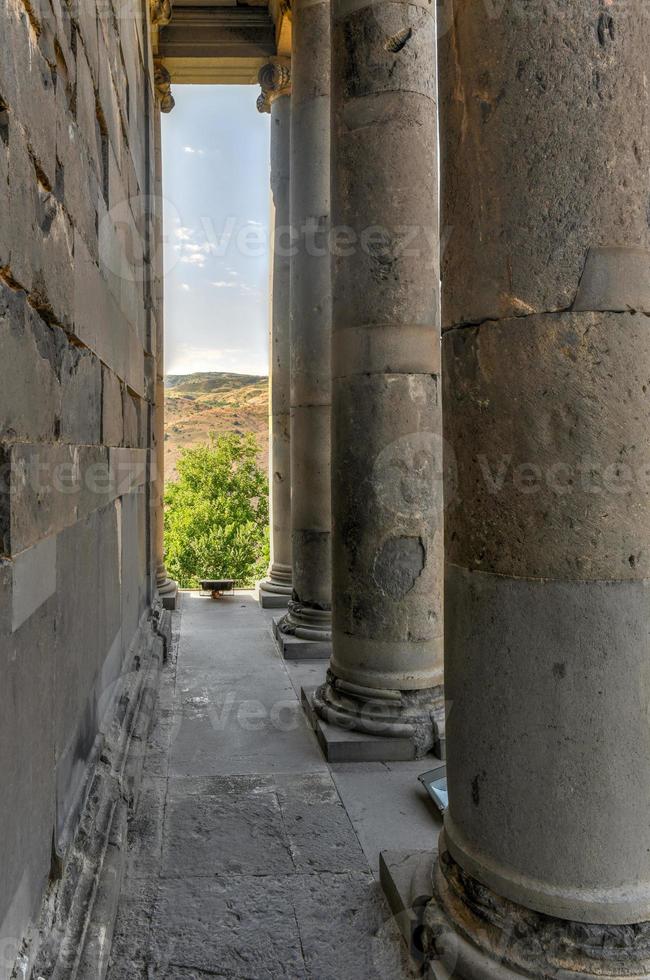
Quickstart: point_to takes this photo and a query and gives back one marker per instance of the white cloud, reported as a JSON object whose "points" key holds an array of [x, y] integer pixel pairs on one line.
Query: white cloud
{"points": [[255, 224], [185, 287], [187, 358], [224, 284], [192, 151], [190, 252]]}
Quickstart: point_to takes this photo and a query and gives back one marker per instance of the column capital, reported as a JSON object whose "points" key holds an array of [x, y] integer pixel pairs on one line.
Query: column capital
{"points": [[275, 81], [163, 87], [160, 12]]}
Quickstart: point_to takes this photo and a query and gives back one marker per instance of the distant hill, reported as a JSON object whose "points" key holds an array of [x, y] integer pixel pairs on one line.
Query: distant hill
{"points": [[210, 381], [213, 401]]}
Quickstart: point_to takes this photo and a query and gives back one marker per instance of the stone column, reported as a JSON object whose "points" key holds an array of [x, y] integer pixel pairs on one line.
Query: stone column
{"points": [[544, 863], [386, 669], [275, 98], [167, 588], [309, 615]]}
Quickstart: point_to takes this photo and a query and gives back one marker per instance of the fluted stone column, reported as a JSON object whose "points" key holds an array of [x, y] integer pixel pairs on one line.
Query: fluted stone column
{"points": [[309, 615], [544, 863], [167, 588], [386, 669], [275, 98]]}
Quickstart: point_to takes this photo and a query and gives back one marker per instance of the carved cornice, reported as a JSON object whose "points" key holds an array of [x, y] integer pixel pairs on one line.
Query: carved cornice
{"points": [[161, 12], [163, 84], [275, 81]]}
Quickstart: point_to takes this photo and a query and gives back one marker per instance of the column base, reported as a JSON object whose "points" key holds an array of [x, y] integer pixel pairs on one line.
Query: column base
{"points": [[340, 744], [275, 591], [270, 595], [292, 647], [413, 716], [472, 933], [168, 592], [307, 622]]}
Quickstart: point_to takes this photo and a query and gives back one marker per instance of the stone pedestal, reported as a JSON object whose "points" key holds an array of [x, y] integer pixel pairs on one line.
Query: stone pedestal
{"points": [[300, 647], [545, 859], [276, 590], [386, 670], [309, 615]]}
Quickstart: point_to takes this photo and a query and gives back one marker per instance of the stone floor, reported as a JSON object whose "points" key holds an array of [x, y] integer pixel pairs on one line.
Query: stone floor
{"points": [[250, 857]]}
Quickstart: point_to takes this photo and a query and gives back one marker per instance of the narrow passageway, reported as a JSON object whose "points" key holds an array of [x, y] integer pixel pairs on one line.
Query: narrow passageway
{"points": [[249, 856]]}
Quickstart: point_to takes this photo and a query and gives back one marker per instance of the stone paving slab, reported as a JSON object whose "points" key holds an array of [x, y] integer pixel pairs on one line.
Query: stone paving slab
{"points": [[306, 673], [249, 857], [145, 833], [388, 806], [278, 741], [238, 830], [238, 926], [355, 939], [131, 937], [261, 682], [207, 648], [319, 830]]}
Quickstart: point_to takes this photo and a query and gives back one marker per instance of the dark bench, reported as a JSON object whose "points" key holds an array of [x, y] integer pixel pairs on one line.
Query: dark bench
{"points": [[218, 587]]}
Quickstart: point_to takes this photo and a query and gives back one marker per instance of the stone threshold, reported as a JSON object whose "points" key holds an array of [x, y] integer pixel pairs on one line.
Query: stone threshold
{"points": [[72, 937]]}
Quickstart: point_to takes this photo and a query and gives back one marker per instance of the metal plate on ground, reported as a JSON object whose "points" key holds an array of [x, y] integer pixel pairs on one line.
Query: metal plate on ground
{"points": [[435, 783]]}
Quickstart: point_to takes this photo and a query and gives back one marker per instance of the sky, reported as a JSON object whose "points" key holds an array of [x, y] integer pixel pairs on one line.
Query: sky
{"points": [[216, 211]]}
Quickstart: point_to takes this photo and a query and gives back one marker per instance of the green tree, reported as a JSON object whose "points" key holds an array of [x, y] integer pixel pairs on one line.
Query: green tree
{"points": [[217, 514]]}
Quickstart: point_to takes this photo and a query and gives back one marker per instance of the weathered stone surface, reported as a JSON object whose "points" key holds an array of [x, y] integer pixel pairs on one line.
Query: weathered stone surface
{"points": [[509, 941], [62, 632], [388, 547], [568, 867], [387, 503], [321, 836], [280, 351], [615, 278], [134, 560], [244, 924], [310, 308], [81, 397], [112, 409], [145, 835], [130, 950], [30, 397], [132, 410], [545, 110], [546, 612], [359, 942], [205, 916], [54, 486], [87, 585], [27, 85], [548, 429], [27, 753], [39, 237], [233, 827]]}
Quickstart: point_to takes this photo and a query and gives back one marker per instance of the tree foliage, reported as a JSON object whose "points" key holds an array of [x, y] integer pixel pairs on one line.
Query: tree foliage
{"points": [[217, 514]]}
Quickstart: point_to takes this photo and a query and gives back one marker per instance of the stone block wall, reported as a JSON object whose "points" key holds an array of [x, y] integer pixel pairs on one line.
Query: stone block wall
{"points": [[77, 363]]}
